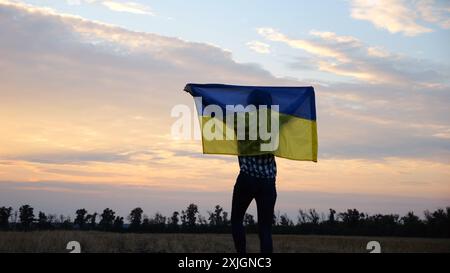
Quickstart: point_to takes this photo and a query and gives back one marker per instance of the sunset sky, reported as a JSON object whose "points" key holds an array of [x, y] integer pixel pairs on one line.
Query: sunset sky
{"points": [[87, 87]]}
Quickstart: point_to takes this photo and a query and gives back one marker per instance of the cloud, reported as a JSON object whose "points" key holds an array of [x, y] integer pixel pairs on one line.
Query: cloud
{"points": [[333, 37], [74, 2], [402, 16], [93, 80], [259, 47], [377, 52], [349, 57], [308, 46], [120, 6], [437, 12], [348, 72], [130, 7]]}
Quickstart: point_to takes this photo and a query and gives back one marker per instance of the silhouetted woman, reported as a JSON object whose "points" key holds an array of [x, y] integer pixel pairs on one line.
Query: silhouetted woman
{"points": [[256, 180]]}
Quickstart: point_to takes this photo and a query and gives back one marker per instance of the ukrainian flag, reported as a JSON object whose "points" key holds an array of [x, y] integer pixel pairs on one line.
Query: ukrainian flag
{"points": [[293, 107]]}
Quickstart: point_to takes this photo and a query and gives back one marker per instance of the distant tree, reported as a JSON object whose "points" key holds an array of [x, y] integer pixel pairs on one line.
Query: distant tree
{"points": [[107, 219], [146, 225], [158, 219], [191, 215], [352, 217], [313, 217], [135, 219], [118, 223], [350, 222], [91, 220], [249, 220], [302, 217], [65, 222], [386, 225], [5, 213], [26, 216], [43, 222], [331, 216], [51, 219], [438, 222], [285, 221], [410, 219], [216, 217], [183, 217], [80, 218], [174, 219]]}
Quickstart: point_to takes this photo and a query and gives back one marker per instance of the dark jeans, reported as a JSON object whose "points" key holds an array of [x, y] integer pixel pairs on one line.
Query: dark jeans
{"points": [[263, 190]]}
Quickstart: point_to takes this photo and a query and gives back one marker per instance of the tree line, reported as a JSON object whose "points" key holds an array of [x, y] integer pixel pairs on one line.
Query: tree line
{"points": [[350, 222]]}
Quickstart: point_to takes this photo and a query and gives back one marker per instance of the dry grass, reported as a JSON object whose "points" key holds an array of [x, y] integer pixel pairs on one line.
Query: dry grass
{"points": [[94, 241]]}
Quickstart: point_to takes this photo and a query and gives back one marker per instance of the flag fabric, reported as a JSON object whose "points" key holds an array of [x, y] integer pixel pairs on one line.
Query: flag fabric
{"points": [[291, 110]]}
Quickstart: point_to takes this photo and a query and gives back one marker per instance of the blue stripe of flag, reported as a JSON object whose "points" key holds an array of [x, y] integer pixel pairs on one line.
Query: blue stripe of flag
{"points": [[295, 101]]}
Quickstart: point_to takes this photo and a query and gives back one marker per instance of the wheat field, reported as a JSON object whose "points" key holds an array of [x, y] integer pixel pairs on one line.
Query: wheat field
{"points": [[96, 241]]}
